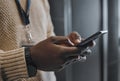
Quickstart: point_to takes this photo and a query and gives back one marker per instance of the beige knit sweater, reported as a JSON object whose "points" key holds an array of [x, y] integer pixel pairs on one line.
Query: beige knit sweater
{"points": [[12, 60]]}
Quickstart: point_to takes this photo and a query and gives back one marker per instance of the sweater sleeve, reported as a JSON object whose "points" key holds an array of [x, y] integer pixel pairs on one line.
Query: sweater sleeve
{"points": [[13, 64], [12, 59]]}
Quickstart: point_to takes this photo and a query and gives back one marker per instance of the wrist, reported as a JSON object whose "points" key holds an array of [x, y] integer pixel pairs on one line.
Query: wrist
{"points": [[32, 69]]}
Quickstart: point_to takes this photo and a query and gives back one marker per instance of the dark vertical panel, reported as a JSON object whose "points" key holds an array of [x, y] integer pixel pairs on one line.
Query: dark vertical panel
{"points": [[68, 29], [113, 40], [62, 20], [86, 21], [67, 16], [57, 14], [101, 43], [104, 40]]}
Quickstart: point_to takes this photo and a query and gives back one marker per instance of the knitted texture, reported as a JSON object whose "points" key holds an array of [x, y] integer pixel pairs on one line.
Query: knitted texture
{"points": [[12, 60], [13, 65], [7, 28]]}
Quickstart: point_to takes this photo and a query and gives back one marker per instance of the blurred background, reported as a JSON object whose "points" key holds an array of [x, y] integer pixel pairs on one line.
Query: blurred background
{"points": [[88, 17]]}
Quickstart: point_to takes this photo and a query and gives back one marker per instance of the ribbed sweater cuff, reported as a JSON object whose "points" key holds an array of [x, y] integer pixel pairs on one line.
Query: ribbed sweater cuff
{"points": [[13, 65]]}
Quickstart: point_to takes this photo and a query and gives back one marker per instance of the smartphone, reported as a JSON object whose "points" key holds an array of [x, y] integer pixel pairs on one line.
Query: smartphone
{"points": [[91, 38]]}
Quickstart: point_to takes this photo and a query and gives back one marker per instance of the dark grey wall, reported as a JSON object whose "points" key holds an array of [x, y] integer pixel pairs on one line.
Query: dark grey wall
{"points": [[57, 13], [86, 21], [113, 41]]}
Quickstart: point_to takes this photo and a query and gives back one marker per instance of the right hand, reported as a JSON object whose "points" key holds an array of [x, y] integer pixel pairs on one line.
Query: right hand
{"points": [[50, 56]]}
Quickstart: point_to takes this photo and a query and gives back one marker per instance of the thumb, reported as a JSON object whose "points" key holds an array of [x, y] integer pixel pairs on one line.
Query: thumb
{"points": [[75, 37]]}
